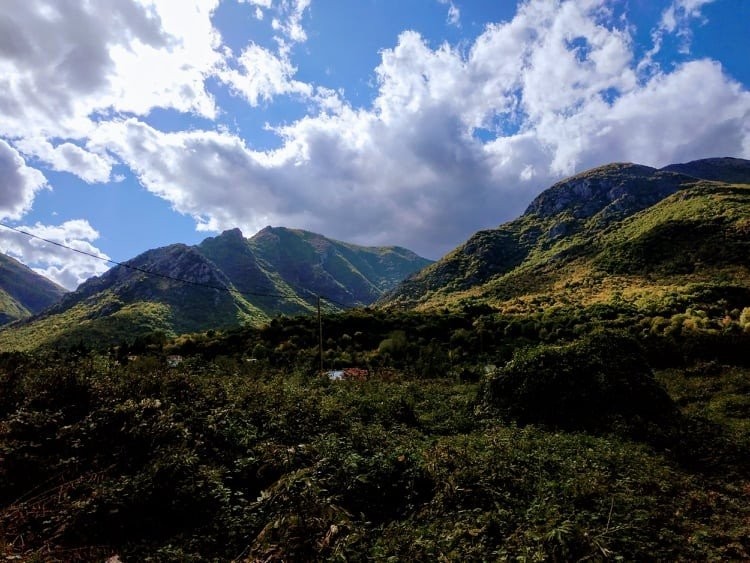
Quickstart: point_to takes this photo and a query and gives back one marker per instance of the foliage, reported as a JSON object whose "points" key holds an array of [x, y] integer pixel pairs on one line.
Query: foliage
{"points": [[594, 384], [512, 413], [221, 458]]}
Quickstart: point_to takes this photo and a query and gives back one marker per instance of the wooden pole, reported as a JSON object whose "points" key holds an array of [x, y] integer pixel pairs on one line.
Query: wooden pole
{"points": [[320, 337]]}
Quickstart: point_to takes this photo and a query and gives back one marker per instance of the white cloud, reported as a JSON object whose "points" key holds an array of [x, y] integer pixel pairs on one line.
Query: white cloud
{"points": [[63, 62], [258, 3], [263, 75], [454, 13], [289, 23], [556, 89], [676, 16], [64, 266], [411, 77], [67, 157], [173, 77], [18, 183], [456, 138], [219, 165], [675, 19], [693, 112]]}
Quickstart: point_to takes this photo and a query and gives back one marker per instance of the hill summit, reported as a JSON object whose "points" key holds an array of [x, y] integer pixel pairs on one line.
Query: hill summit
{"points": [[616, 229], [224, 281]]}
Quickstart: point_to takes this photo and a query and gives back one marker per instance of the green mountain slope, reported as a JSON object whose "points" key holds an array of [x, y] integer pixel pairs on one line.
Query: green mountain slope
{"points": [[620, 229], [223, 282], [299, 265], [347, 273], [23, 292]]}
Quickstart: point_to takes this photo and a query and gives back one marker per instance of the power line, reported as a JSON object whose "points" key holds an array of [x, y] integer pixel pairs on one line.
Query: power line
{"points": [[324, 298], [167, 276]]}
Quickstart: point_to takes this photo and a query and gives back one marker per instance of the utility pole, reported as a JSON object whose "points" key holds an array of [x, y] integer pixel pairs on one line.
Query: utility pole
{"points": [[320, 337]]}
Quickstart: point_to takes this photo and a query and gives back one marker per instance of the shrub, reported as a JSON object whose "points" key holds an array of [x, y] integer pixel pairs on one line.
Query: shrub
{"points": [[595, 383]]}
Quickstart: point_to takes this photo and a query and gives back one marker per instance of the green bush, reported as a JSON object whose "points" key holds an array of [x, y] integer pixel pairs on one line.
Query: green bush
{"points": [[596, 383], [225, 460]]}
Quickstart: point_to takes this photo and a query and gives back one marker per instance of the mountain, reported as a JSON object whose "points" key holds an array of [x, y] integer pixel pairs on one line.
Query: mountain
{"points": [[731, 170], [350, 274], [619, 229], [224, 281], [283, 270], [177, 285], [23, 292]]}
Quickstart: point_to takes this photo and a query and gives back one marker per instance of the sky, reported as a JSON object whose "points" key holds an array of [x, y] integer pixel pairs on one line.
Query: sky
{"points": [[127, 125]]}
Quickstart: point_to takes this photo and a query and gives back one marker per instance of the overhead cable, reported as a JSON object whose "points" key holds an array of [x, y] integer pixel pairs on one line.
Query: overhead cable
{"points": [[167, 276]]}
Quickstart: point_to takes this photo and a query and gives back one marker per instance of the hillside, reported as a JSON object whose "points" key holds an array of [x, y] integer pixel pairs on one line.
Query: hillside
{"points": [[299, 265], [621, 230], [568, 448], [23, 292], [223, 282], [350, 274]]}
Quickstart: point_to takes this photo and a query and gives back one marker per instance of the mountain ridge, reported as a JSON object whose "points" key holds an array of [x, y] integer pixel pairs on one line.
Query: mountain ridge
{"points": [[224, 281], [566, 224], [23, 292]]}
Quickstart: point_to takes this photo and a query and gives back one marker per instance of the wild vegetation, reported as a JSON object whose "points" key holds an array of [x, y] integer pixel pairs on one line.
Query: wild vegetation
{"points": [[574, 385], [572, 449]]}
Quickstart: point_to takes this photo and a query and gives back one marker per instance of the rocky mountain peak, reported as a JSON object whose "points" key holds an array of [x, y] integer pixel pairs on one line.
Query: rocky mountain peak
{"points": [[569, 220], [587, 193], [623, 188], [232, 234]]}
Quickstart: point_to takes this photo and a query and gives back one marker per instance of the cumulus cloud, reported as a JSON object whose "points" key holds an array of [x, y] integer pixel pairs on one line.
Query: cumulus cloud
{"points": [[289, 22], [68, 157], [66, 65], [66, 267], [454, 141], [18, 183], [457, 138], [263, 76], [61, 63], [687, 114]]}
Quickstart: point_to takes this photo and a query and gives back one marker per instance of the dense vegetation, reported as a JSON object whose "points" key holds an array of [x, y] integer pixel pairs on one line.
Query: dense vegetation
{"points": [[574, 385], [243, 451]]}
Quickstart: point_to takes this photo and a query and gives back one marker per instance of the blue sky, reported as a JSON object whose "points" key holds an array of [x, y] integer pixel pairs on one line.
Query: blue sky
{"points": [[131, 124]]}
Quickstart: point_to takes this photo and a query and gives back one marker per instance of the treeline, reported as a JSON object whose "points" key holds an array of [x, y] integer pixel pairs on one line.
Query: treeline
{"points": [[468, 340]]}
